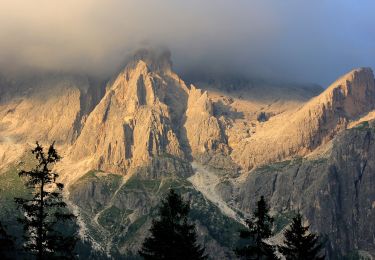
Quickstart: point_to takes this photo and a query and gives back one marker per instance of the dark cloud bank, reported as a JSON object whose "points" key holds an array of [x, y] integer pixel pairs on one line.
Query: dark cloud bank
{"points": [[310, 41]]}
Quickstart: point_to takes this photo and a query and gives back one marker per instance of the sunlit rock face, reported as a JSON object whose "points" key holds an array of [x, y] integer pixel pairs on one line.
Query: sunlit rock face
{"points": [[139, 117], [311, 125], [48, 108], [148, 110], [125, 143]]}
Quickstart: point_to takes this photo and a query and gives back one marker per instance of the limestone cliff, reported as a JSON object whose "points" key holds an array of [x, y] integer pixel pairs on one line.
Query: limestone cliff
{"points": [[45, 109], [138, 117], [334, 192], [203, 129], [299, 132]]}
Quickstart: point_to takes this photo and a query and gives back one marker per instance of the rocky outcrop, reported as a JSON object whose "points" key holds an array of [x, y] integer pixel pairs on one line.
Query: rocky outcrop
{"points": [[137, 118], [49, 108], [203, 129], [335, 193], [315, 123]]}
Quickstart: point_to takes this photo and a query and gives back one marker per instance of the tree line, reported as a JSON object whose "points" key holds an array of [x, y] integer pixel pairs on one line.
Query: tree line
{"points": [[172, 234]]}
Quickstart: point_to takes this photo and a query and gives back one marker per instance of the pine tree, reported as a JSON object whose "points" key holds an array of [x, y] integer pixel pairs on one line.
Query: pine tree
{"points": [[6, 243], [46, 211], [299, 243], [259, 229], [172, 236]]}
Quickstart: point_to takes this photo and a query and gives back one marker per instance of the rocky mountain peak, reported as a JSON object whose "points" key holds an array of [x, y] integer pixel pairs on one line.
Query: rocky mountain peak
{"points": [[138, 118], [314, 124], [351, 95]]}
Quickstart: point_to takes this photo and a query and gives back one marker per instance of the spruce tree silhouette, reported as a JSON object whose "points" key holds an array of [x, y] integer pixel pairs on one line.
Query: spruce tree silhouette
{"points": [[299, 243], [6, 244], [172, 236], [45, 210], [259, 229]]}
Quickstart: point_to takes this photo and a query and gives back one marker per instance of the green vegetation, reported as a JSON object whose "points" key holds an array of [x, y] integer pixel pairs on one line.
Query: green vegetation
{"points": [[135, 183], [300, 243], [109, 217], [133, 229], [11, 186], [104, 183], [44, 214], [110, 181], [259, 228], [173, 236]]}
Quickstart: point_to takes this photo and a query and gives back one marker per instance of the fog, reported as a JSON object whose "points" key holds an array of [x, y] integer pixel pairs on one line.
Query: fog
{"points": [[306, 41]]}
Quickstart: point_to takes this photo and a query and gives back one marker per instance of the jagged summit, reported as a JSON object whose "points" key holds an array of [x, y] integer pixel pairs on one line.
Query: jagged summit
{"points": [[350, 96], [356, 72], [148, 110], [312, 125], [138, 117], [354, 93]]}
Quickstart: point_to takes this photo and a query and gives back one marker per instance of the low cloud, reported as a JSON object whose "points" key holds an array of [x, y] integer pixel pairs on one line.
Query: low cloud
{"points": [[311, 41]]}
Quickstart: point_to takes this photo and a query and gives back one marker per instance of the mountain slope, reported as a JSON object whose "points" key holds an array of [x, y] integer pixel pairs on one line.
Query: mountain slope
{"points": [[315, 123], [49, 108]]}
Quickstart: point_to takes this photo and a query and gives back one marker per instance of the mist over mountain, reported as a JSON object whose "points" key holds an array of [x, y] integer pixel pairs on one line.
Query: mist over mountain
{"points": [[224, 102], [309, 42]]}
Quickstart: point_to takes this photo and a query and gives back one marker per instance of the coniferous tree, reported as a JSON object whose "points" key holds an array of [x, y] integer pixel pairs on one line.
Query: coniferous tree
{"points": [[299, 243], [6, 243], [259, 229], [172, 236], [46, 210]]}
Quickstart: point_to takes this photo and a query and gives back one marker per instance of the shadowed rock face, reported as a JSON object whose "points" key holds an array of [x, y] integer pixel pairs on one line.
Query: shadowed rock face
{"points": [[335, 193]]}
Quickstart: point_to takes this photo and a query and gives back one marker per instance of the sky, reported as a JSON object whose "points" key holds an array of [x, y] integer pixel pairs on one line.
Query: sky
{"points": [[295, 40]]}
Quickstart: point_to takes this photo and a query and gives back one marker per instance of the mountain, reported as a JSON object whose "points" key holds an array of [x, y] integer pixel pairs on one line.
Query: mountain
{"points": [[299, 132], [137, 118], [46, 108], [221, 143]]}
